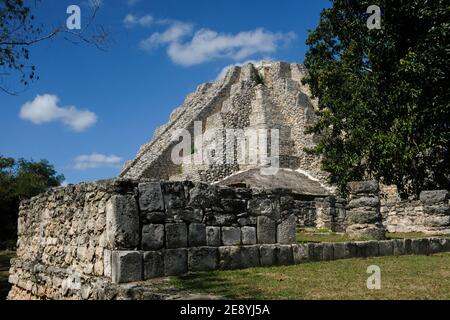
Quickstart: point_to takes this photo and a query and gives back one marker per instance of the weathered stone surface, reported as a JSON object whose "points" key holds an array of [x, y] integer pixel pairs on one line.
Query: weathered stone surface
{"points": [[339, 251], [351, 250], [122, 220], [176, 235], [248, 235], [173, 195], [203, 258], [250, 256], [445, 244], [230, 257], [370, 231], [266, 230], [126, 266], [153, 264], [317, 252], [269, 207], [191, 215], [361, 216], [386, 248], [285, 255], [328, 252], [286, 230], [301, 253], [197, 235], [213, 238], [150, 197], [437, 221], [152, 237], [364, 202], [268, 254], [435, 196], [420, 246], [175, 262], [231, 236], [363, 187], [408, 246], [372, 249], [398, 247], [434, 245]]}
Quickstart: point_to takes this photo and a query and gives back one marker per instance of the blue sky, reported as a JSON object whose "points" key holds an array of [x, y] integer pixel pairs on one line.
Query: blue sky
{"points": [[96, 108]]}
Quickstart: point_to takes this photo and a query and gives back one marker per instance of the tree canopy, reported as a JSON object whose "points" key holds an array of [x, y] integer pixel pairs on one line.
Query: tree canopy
{"points": [[383, 93], [21, 179]]}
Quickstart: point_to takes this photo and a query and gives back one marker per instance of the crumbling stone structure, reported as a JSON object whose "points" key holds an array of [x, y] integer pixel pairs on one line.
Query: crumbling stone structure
{"points": [[87, 241]]}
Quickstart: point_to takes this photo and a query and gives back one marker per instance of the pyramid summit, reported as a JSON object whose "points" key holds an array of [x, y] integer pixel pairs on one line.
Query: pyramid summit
{"points": [[251, 98]]}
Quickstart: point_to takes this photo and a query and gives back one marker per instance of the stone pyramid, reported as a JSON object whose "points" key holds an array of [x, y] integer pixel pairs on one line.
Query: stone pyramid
{"points": [[268, 95]]}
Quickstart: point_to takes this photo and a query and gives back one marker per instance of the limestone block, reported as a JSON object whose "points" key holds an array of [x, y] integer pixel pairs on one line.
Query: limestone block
{"points": [[434, 245], [126, 266], [339, 250], [286, 230], [364, 202], [317, 252], [266, 230], [268, 254], [435, 196], [176, 235], [265, 206], [197, 235], [363, 187], [301, 253], [445, 244], [250, 256], [398, 247], [285, 255], [175, 262], [363, 216], [328, 252], [248, 235], [420, 246], [122, 220], [231, 236], [203, 258], [408, 246], [153, 264], [386, 248], [152, 237], [373, 249], [351, 250], [150, 197], [213, 238], [230, 257]]}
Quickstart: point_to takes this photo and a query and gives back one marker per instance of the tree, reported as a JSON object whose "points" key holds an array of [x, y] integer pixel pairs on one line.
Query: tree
{"points": [[19, 30], [21, 179], [383, 93]]}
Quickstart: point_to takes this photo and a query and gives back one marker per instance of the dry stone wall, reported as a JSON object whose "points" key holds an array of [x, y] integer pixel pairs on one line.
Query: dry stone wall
{"points": [[79, 242]]}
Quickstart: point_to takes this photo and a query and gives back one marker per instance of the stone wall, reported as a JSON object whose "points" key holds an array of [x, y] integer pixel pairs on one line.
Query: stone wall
{"points": [[429, 214], [79, 241]]}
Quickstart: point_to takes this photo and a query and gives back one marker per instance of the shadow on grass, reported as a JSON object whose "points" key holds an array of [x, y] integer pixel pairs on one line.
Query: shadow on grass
{"points": [[5, 257], [220, 283]]}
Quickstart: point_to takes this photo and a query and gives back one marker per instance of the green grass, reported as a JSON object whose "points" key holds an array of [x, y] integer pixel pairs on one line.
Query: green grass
{"points": [[405, 277], [5, 257], [322, 235]]}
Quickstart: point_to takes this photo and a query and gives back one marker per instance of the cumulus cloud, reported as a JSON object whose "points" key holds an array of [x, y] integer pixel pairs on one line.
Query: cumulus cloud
{"points": [[176, 31], [131, 20], [45, 108], [207, 45], [96, 160]]}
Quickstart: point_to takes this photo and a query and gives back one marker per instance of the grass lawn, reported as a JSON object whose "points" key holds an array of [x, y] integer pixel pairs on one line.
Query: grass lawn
{"points": [[405, 277], [315, 235], [5, 256]]}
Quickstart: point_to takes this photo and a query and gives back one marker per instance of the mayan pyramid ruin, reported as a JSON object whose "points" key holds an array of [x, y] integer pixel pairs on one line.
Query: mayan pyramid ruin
{"points": [[268, 95]]}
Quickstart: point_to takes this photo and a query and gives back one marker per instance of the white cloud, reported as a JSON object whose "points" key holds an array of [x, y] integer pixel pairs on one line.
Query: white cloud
{"points": [[45, 108], [174, 33], [96, 160], [131, 20], [207, 45]]}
